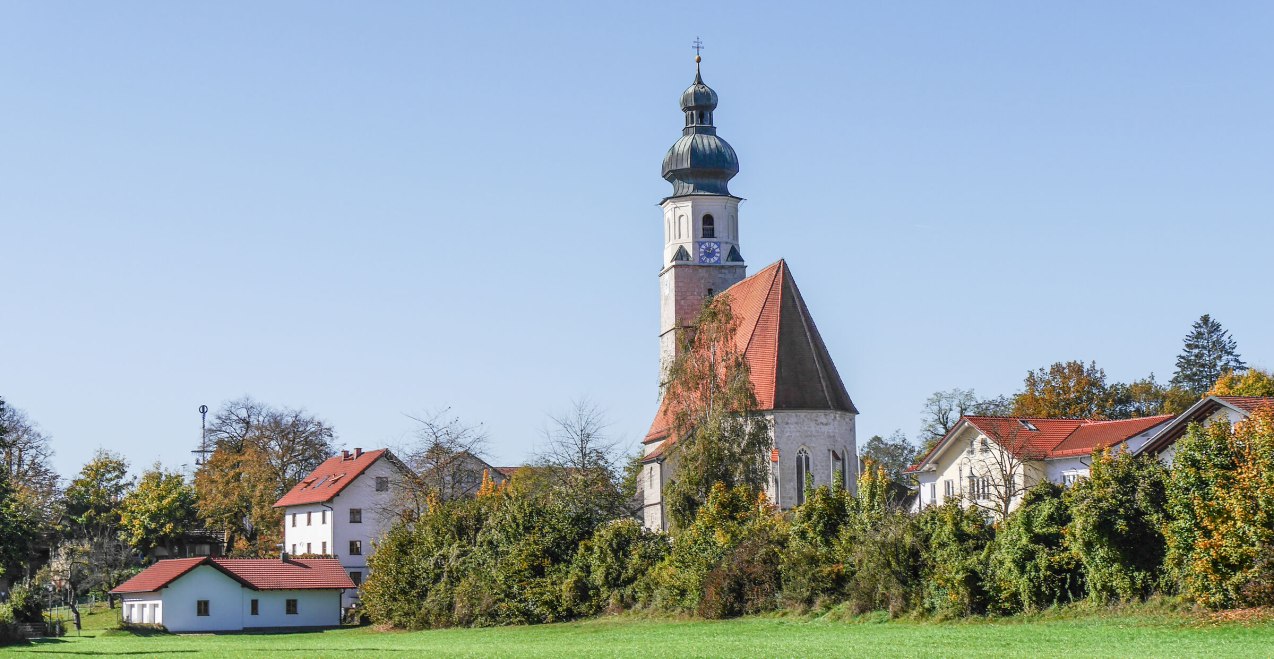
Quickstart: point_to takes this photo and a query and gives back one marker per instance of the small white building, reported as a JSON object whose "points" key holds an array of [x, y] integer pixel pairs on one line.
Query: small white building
{"points": [[233, 594], [1212, 409], [989, 461], [342, 508]]}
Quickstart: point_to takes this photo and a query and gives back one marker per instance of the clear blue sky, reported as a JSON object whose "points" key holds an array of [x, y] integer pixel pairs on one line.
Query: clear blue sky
{"points": [[375, 209]]}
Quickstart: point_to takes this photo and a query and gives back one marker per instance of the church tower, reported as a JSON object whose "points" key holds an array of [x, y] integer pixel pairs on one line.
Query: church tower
{"points": [[701, 254]]}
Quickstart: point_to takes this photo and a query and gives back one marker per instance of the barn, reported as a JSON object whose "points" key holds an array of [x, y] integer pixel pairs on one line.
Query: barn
{"points": [[206, 594]]}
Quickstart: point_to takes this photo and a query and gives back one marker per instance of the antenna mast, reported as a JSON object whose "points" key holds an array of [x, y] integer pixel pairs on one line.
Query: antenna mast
{"points": [[201, 453]]}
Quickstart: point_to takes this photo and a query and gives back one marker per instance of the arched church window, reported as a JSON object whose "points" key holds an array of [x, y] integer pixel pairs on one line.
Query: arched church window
{"points": [[709, 227], [802, 474]]}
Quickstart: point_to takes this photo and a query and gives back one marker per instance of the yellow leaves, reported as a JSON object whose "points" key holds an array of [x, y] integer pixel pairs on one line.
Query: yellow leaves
{"points": [[1252, 382]]}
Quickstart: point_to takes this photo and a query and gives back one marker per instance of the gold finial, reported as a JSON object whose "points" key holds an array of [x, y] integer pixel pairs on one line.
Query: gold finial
{"points": [[698, 59]]}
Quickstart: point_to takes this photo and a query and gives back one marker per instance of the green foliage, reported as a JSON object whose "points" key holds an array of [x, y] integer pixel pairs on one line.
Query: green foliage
{"points": [[1251, 382], [728, 518], [159, 511], [720, 439], [1065, 389], [1031, 566], [1221, 499], [894, 454], [954, 544], [25, 605], [1209, 352], [93, 498], [1117, 516], [609, 571]]}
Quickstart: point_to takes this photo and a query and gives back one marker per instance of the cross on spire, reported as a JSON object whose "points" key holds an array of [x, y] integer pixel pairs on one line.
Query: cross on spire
{"points": [[698, 46]]}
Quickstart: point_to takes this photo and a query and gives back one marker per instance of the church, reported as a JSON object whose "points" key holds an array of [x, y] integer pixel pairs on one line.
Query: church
{"points": [[795, 380]]}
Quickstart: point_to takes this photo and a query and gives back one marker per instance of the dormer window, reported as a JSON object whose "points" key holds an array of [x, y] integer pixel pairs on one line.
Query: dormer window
{"points": [[1028, 425], [709, 227]]}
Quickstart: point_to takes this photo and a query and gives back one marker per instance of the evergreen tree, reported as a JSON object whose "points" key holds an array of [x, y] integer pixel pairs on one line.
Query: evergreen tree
{"points": [[1209, 352]]}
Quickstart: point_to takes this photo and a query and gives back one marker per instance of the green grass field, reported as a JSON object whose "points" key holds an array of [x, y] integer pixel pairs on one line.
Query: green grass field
{"points": [[1078, 633]]}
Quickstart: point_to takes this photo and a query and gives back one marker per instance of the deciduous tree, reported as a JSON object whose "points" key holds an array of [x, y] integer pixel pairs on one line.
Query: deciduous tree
{"points": [[1251, 382], [1064, 390], [159, 512], [893, 455]]}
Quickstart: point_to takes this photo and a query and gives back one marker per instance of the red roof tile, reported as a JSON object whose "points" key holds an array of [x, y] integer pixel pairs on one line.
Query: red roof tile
{"points": [[1200, 411], [254, 573], [789, 364], [1104, 434], [1249, 404], [1051, 438], [328, 479]]}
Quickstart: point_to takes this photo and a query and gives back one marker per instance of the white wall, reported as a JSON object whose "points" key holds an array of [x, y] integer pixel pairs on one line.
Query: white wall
{"points": [[819, 432], [963, 456], [225, 602], [315, 608], [379, 511], [316, 533], [142, 608]]}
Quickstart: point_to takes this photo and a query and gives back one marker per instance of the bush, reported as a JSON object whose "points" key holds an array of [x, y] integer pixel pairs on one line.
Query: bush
{"points": [[954, 544], [1031, 568], [24, 605], [883, 563], [1117, 516], [747, 579], [611, 569]]}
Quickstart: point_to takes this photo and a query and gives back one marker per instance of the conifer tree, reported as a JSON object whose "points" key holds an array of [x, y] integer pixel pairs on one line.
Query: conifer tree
{"points": [[1209, 352]]}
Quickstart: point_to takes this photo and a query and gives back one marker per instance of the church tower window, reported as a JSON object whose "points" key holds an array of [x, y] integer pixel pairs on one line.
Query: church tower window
{"points": [[802, 474], [709, 227]]}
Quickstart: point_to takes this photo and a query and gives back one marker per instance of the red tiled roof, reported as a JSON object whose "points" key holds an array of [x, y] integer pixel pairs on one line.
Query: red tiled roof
{"points": [[328, 479], [789, 364], [254, 573], [159, 575], [1052, 438], [1201, 411], [1249, 404]]}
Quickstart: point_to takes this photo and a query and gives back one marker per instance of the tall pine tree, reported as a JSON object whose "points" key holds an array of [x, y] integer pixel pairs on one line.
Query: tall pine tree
{"points": [[1209, 352]]}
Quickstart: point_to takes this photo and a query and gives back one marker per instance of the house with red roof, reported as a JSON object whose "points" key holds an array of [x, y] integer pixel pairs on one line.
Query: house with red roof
{"points": [[990, 462], [796, 383], [1209, 410], [342, 508], [206, 594]]}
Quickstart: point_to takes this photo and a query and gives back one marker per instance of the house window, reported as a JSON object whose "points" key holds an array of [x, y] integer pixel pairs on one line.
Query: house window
{"points": [[256, 607], [324, 546], [382, 483], [709, 227], [984, 445], [650, 477], [356, 577], [290, 607], [293, 519], [307, 547], [201, 607], [1069, 479], [1028, 425], [294, 548], [322, 517], [309, 517], [948, 487], [355, 515], [933, 492], [802, 474], [355, 547]]}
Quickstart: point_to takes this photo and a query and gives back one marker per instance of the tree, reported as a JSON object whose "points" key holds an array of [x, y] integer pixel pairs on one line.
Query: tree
{"points": [[584, 462], [1251, 382], [445, 460], [893, 455], [1031, 568], [92, 554], [942, 411], [1209, 352], [159, 512], [260, 453], [720, 438], [1065, 390], [1138, 398], [26, 458], [18, 527]]}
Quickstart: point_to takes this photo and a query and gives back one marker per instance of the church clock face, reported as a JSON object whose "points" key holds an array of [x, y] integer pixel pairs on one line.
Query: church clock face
{"points": [[709, 252]]}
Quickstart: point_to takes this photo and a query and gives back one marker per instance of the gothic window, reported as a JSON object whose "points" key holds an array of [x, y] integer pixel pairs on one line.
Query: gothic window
{"points": [[709, 227], [802, 474]]}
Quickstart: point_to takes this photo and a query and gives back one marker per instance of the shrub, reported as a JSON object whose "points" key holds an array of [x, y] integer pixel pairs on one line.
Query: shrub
{"points": [[883, 562], [747, 579], [954, 544], [1117, 515], [1221, 503], [611, 569], [812, 568], [1031, 567]]}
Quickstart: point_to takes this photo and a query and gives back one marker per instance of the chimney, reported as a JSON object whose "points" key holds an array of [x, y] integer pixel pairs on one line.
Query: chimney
{"points": [[283, 556], [358, 452], [344, 455]]}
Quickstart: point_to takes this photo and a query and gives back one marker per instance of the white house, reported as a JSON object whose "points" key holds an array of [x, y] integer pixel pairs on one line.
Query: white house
{"points": [[1231, 409], [992, 461], [344, 506], [232, 594]]}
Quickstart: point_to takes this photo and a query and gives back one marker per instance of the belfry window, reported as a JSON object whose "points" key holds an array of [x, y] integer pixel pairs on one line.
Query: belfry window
{"points": [[709, 227], [802, 474]]}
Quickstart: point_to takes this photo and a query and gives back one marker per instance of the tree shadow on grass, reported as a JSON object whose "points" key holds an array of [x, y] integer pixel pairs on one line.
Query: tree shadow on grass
{"points": [[54, 643]]}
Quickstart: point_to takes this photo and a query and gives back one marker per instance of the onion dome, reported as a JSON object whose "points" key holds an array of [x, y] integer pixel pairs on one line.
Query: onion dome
{"points": [[700, 162]]}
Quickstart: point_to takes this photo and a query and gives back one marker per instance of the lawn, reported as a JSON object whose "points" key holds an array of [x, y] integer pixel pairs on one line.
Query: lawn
{"points": [[1069, 634]]}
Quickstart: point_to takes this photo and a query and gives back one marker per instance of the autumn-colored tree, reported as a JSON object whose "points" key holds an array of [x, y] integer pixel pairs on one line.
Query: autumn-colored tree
{"points": [[261, 453], [720, 438], [1221, 500], [92, 556], [1208, 353], [159, 512], [1251, 382], [1064, 390]]}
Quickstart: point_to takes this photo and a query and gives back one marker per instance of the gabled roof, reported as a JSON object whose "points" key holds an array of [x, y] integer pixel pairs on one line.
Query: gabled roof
{"points": [[1244, 405], [790, 366], [328, 479], [253, 573], [1045, 439]]}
